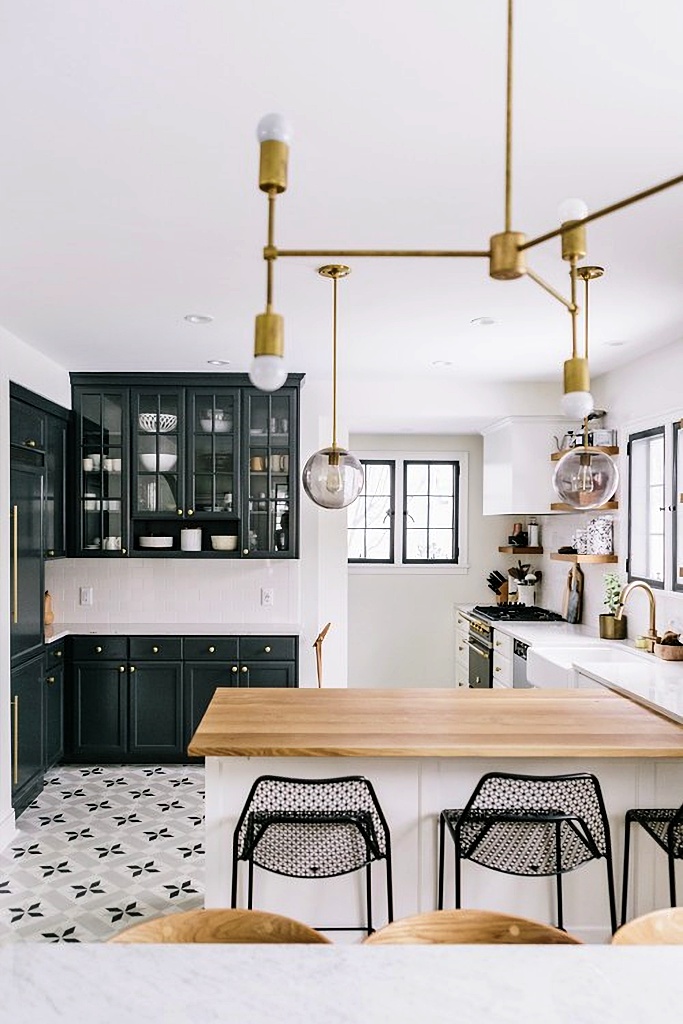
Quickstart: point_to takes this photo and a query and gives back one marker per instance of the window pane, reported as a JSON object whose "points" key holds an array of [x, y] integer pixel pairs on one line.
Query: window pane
{"points": [[646, 496], [441, 513], [378, 544], [440, 544], [378, 511], [356, 542], [417, 478], [441, 479], [377, 478], [418, 512], [416, 544], [370, 519], [430, 526]]}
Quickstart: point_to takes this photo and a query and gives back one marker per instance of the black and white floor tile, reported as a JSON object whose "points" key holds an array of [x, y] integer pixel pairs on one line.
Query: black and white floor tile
{"points": [[102, 848]]}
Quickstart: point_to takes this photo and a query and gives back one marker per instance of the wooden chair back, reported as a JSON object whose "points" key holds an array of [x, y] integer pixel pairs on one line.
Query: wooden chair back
{"points": [[660, 928], [469, 926], [244, 926]]}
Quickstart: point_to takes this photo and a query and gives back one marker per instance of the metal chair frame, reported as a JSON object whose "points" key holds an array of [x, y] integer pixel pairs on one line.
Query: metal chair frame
{"points": [[671, 842], [253, 826], [552, 817]]}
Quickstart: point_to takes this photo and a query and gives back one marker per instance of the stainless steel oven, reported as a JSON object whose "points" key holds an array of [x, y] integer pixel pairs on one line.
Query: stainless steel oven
{"points": [[480, 643]]}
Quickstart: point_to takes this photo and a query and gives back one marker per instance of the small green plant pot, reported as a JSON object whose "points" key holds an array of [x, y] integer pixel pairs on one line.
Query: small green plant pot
{"points": [[612, 628]]}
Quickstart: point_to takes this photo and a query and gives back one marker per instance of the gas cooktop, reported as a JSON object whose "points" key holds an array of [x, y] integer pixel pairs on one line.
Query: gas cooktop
{"points": [[515, 613]]}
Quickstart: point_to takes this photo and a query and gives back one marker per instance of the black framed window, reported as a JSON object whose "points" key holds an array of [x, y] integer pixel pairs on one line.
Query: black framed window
{"points": [[371, 517], [647, 509], [677, 508], [430, 511]]}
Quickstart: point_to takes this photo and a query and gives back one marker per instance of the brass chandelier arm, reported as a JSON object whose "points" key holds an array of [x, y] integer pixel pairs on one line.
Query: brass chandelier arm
{"points": [[270, 247], [551, 291], [606, 210], [273, 253], [508, 125], [574, 308]]}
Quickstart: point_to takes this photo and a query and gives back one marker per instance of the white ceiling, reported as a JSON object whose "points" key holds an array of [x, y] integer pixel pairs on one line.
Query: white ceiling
{"points": [[128, 167]]}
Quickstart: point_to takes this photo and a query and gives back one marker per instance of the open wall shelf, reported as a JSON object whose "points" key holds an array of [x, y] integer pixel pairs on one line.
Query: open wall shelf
{"points": [[561, 506], [610, 450], [510, 549], [557, 557]]}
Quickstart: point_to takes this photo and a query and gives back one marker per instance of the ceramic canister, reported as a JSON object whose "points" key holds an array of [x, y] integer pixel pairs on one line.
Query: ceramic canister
{"points": [[191, 539]]}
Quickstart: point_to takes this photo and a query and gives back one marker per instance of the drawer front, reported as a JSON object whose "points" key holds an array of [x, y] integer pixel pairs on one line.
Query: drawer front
{"points": [[267, 648], [55, 654], [96, 648], [462, 623], [502, 644], [150, 648], [502, 670], [208, 648]]}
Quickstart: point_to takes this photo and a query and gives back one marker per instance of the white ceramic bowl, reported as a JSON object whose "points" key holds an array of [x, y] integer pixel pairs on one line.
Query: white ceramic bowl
{"points": [[156, 542], [216, 426], [223, 542], [148, 422], [161, 463]]}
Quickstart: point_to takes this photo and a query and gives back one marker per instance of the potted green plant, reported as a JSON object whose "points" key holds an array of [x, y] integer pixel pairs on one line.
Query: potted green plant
{"points": [[612, 628]]}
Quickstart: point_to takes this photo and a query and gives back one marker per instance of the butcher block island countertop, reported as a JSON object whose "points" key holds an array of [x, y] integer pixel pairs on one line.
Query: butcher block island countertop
{"points": [[431, 723]]}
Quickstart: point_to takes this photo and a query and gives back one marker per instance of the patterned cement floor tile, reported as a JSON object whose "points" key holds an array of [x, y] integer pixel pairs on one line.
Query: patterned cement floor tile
{"points": [[102, 848]]}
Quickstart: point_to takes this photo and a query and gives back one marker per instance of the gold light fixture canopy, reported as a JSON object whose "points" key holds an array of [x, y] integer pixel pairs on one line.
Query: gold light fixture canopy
{"points": [[333, 477]]}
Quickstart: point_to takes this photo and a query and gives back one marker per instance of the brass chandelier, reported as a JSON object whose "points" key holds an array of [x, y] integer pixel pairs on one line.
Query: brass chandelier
{"points": [[506, 252]]}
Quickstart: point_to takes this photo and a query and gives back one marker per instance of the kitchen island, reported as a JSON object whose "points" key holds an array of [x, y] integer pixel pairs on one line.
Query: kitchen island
{"points": [[425, 750]]}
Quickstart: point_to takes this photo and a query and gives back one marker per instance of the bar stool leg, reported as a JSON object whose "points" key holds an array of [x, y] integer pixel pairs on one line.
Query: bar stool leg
{"points": [[457, 873], [442, 830], [390, 885], [672, 873], [558, 875], [250, 899], [624, 883], [368, 896]]}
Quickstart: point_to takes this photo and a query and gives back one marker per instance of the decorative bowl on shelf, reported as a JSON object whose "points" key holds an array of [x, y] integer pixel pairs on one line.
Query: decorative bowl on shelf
{"points": [[166, 421], [156, 542], [158, 463], [223, 542]]}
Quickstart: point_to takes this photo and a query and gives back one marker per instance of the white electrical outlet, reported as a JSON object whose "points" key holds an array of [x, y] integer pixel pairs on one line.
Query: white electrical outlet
{"points": [[86, 596], [267, 597]]}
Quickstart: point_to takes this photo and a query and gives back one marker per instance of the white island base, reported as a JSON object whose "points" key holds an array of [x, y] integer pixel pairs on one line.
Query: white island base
{"points": [[412, 792]]}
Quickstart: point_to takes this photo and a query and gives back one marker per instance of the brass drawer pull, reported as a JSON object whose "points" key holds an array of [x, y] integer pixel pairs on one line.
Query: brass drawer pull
{"points": [[212, 650], [58, 654], [132, 668], [234, 668], [50, 680], [244, 668], [155, 650], [122, 668], [267, 650], [30, 443], [98, 650]]}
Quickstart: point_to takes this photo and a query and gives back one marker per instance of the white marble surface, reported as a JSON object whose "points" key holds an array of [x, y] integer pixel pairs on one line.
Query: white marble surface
{"points": [[340, 984], [648, 680], [62, 629]]}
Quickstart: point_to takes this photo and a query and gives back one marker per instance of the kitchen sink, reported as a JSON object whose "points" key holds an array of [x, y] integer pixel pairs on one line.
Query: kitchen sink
{"points": [[553, 666]]}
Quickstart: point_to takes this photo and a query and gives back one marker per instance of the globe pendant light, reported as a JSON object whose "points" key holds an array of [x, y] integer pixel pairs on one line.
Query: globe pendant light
{"points": [[586, 477], [333, 477]]}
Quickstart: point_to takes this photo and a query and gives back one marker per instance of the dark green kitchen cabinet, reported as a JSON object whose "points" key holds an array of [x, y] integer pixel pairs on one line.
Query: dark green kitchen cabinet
{"points": [[201, 682], [97, 712], [53, 704], [55, 522], [155, 711], [26, 554], [27, 722]]}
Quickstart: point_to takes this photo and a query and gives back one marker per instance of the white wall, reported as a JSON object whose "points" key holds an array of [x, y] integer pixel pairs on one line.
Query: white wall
{"points": [[23, 365], [401, 621], [646, 392]]}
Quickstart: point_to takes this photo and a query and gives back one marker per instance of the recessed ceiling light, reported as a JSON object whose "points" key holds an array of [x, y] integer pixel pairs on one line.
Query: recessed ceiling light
{"points": [[218, 362], [198, 318], [442, 362], [483, 321], [615, 344]]}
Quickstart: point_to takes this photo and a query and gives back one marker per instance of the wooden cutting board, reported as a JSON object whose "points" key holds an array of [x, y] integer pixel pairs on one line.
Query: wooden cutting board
{"points": [[575, 598]]}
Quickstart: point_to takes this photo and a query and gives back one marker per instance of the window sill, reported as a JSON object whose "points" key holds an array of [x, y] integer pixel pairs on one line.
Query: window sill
{"points": [[392, 568]]}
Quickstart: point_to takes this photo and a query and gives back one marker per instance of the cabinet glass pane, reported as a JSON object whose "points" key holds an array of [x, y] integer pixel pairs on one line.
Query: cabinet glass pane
{"points": [[212, 463], [157, 421], [269, 481], [102, 468]]}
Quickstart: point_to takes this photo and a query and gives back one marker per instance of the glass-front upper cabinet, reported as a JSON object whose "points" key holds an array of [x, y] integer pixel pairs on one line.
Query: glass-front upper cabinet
{"points": [[270, 457], [101, 526], [212, 453], [157, 421]]}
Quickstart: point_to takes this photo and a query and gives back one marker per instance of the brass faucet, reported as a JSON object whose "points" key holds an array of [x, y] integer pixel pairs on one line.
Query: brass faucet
{"points": [[651, 636]]}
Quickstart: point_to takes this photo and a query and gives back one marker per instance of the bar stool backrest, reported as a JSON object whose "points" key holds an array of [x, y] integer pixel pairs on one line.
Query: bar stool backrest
{"points": [[245, 926], [660, 928], [468, 926]]}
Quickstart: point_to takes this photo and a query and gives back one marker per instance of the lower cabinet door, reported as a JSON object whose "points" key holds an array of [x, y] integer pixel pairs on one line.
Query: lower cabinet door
{"points": [[155, 711], [201, 682], [54, 715], [97, 727], [268, 673], [27, 731]]}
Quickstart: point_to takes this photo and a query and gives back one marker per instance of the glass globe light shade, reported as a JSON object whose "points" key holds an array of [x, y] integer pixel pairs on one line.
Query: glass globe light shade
{"points": [[333, 478], [572, 209], [268, 373], [585, 477], [274, 127], [577, 404]]}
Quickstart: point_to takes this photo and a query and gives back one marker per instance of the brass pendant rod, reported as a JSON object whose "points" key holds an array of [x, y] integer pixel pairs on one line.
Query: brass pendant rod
{"points": [[607, 209], [270, 261], [334, 364], [508, 127], [379, 252], [574, 308], [548, 288], [585, 319]]}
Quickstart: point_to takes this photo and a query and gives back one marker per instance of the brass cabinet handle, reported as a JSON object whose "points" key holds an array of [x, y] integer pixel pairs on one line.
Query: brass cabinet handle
{"points": [[132, 668], [98, 650], [122, 668], [15, 752], [498, 643], [245, 551], [123, 551], [15, 564], [50, 680], [190, 511], [155, 650], [30, 443], [497, 668], [234, 668], [58, 654], [244, 668], [179, 511], [50, 553], [212, 650], [267, 650]]}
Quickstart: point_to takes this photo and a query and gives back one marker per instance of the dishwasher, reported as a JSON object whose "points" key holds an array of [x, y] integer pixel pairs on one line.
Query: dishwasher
{"points": [[519, 680]]}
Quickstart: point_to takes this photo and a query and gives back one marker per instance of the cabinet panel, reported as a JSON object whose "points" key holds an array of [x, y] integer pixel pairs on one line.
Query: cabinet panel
{"points": [[27, 682], [53, 696], [99, 648], [97, 715], [156, 708], [270, 673], [265, 648], [26, 556], [207, 648], [27, 427], [146, 648], [54, 531], [200, 683]]}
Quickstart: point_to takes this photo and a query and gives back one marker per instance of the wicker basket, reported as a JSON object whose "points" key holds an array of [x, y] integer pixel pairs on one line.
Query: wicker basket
{"points": [[669, 653]]}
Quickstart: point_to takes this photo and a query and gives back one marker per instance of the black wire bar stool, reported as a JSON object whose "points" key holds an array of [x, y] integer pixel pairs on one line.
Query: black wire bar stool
{"points": [[530, 825], [665, 826], [313, 828]]}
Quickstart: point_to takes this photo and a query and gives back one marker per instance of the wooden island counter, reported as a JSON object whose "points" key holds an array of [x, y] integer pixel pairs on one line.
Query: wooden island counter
{"points": [[425, 749]]}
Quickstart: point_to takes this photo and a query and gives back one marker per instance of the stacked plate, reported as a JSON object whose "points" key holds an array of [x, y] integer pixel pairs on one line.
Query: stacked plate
{"points": [[156, 542]]}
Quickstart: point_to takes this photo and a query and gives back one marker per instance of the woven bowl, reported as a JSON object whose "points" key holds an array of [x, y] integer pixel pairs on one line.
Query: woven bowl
{"points": [[668, 653], [148, 422]]}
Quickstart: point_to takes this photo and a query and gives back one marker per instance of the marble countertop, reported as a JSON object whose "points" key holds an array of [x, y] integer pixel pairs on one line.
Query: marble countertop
{"points": [[62, 629], [650, 681], [104, 984]]}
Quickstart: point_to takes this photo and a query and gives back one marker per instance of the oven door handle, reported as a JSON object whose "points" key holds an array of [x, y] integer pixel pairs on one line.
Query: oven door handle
{"points": [[483, 653]]}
